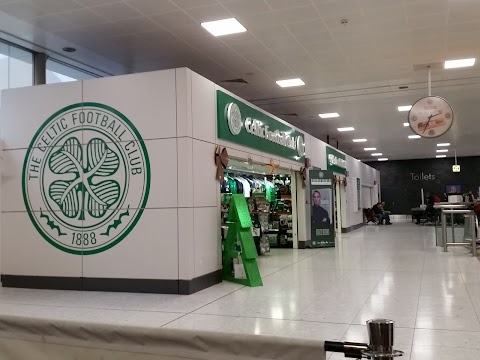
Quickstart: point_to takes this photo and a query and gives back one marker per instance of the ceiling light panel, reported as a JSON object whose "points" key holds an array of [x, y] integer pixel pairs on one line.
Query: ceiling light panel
{"points": [[443, 144], [329, 115], [404, 108], [441, 156], [346, 129], [223, 27], [406, 124], [377, 154], [442, 150], [359, 140], [414, 136], [453, 64], [290, 82], [370, 149], [382, 159]]}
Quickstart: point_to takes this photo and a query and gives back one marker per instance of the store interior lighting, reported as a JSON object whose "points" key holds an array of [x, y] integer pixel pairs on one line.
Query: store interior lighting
{"points": [[223, 27]]}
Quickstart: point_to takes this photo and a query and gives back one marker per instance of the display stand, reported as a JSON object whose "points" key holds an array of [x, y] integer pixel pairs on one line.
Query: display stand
{"points": [[239, 244]]}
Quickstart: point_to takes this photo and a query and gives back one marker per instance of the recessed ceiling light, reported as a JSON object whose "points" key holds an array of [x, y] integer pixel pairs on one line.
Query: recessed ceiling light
{"points": [[443, 144], [69, 49], [359, 140], [383, 159], [290, 82], [224, 27], [452, 64], [404, 108], [414, 136], [406, 124], [442, 150], [441, 156], [346, 129], [329, 115], [377, 154], [370, 149]]}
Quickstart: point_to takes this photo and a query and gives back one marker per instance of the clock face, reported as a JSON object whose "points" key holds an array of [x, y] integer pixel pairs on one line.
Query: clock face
{"points": [[430, 117]]}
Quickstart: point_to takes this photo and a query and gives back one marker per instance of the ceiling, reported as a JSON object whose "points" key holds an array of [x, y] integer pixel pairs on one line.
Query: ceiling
{"points": [[354, 69]]}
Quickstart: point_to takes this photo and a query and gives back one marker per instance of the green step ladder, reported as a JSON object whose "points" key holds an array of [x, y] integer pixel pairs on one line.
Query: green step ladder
{"points": [[240, 227]]}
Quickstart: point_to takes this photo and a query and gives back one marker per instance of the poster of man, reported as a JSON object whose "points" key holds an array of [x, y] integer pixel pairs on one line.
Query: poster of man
{"points": [[321, 206]]}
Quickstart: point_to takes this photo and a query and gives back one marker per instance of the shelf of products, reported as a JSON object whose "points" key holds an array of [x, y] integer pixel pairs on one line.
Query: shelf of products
{"points": [[270, 205]]}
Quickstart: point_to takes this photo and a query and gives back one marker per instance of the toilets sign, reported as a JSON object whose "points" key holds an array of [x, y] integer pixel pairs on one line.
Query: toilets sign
{"points": [[242, 124], [86, 178]]}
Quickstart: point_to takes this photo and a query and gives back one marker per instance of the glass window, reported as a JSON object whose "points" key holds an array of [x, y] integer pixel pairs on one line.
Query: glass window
{"points": [[58, 72], [16, 67]]}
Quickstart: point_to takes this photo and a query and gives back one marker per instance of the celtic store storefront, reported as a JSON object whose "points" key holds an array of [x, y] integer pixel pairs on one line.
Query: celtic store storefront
{"points": [[121, 183]]}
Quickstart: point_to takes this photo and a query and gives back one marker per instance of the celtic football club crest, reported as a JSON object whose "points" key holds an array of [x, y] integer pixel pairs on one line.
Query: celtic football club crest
{"points": [[86, 178]]}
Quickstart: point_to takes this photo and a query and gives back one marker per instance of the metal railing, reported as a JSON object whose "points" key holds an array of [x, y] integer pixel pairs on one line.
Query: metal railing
{"points": [[468, 213]]}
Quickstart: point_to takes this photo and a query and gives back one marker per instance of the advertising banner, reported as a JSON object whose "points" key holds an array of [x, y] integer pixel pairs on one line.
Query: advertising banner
{"points": [[321, 193]]}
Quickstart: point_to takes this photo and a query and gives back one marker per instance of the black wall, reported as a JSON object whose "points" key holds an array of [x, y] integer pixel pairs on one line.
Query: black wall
{"points": [[401, 192]]}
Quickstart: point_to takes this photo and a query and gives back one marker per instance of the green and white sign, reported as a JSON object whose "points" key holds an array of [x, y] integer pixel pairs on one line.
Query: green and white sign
{"points": [[240, 123], [322, 222], [336, 161], [86, 178]]}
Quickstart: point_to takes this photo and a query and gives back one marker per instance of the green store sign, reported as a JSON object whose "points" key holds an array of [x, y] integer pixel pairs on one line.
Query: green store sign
{"points": [[86, 178], [336, 161], [240, 123]]}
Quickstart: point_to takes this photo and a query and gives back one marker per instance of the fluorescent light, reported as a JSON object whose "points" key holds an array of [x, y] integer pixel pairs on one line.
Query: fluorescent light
{"points": [[404, 108], [383, 159], [442, 150], [290, 82], [328, 115], [444, 144], [377, 154], [346, 129], [370, 149], [452, 64], [224, 27], [359, 140], [414, 136], [406, 124], [441, 156]]}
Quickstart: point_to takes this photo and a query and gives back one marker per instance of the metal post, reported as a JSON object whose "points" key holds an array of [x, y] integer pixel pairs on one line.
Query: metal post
{"points": [[39, 68], [453, 228], [472, 231], [444, 231]]}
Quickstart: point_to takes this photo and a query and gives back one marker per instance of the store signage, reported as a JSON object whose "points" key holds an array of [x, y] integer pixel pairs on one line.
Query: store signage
{"points": [[321, 216], [336, 161], [86, 178], [242, 124], [422, 176], [456, 168]]}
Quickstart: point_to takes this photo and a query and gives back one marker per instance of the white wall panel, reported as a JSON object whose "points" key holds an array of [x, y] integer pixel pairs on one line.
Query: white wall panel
{"points": [[146, 99], [207, 240], [204, 112], [149, 251], [25, 109], [205, 187], [26, 252], [183, 78]]}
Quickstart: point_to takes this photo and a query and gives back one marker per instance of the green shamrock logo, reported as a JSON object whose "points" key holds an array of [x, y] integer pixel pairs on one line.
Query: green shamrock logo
{"points": [[84, 187]]}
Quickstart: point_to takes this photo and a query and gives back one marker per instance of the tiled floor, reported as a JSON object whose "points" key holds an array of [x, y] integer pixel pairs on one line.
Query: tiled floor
{"points": [[394, 272]]}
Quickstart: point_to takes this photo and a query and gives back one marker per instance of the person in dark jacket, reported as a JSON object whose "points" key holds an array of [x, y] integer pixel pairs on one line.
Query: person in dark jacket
{"points": [[381, 214], [319, 214]]}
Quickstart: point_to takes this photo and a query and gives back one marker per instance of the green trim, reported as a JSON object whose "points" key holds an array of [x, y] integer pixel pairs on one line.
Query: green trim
{"points": [[146, 192]]}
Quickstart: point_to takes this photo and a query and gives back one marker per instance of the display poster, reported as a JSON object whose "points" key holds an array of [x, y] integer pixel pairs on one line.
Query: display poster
{"points": [[321, 194]]}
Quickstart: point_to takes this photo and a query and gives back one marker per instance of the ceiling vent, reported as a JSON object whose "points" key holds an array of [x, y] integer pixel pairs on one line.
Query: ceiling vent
{"points": [[236, 81]]}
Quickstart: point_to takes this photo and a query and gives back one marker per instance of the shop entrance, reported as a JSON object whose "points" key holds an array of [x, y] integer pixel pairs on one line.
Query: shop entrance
{"points": [[271, 200]]}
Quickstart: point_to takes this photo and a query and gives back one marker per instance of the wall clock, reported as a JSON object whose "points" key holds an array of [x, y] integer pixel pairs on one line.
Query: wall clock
{"points": [[431, 117]]}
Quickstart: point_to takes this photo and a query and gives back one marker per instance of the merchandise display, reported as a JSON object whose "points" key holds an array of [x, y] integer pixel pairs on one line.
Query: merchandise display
{"points": [[269, 203]]}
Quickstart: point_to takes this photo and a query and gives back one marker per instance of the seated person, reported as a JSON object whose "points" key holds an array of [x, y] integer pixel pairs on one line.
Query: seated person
{"points": [[381, 214]]}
